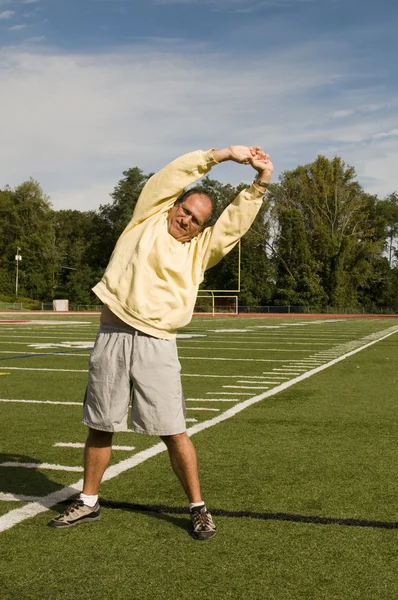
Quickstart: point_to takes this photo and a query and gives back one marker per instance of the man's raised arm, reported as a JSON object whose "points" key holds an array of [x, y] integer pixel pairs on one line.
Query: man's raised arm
{"points": [[162, 189], [238, 217]]}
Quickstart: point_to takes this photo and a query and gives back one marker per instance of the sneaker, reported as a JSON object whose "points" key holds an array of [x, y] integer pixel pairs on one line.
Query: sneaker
{"points": [[203, 527], [76, 513]]}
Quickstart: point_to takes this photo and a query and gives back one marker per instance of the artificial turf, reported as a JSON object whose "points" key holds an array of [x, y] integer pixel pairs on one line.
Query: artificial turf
{"points": [[325, 447]]}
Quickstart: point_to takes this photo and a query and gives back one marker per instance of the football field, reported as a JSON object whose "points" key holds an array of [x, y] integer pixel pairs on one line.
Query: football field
{"points": [[295, 425]]}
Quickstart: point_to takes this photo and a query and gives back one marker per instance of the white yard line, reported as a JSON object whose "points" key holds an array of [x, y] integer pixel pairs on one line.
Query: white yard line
{"points": [[201, 407], [42, 369], [18, 515], [227, 393], [79, 445], [246, 381], [18, 498], [215, 399], [246, 387], [282, 360], [41, 466], [223, 376], [41, 402], [226, 348]]}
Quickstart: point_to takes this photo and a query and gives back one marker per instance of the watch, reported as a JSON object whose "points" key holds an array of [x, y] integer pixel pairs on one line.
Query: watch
{"points": [[260, 183]]}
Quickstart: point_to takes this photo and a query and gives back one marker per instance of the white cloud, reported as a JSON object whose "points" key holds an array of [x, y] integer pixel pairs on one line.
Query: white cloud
{"points": [[84, 119], [36, 39], [17, 27], [7, 14]]}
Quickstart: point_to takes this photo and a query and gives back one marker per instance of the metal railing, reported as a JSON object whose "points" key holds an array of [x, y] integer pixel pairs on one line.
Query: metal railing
{"points": [[345, 310], [10, 305], [75, 307]]}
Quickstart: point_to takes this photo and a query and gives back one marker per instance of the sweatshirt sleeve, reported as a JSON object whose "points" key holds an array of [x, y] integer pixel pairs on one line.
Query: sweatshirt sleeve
{"points": [[162, 189], [232, 224]]}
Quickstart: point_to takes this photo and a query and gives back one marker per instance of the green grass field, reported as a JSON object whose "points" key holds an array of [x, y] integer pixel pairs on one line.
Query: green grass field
{"points": [[294, 421]]}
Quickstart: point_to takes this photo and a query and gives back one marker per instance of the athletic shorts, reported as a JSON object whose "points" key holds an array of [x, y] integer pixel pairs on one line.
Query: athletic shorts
{"points": [[126, 365]]}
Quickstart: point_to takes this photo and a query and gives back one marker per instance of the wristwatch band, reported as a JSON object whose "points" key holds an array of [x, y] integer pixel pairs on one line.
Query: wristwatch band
{"points": [[261, 183]]}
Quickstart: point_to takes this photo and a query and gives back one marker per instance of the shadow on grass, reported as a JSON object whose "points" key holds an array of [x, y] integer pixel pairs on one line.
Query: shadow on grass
{"points": [[165, 512], [24, 481]]}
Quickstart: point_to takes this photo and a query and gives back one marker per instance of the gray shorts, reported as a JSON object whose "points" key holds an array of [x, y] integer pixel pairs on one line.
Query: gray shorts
{"points": [[125, 364]]}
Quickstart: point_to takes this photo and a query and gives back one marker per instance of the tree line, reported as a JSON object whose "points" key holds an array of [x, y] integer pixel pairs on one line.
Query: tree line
{"points": [[319, 241]]}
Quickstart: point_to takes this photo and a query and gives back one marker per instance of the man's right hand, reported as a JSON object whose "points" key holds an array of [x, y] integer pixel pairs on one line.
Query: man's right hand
{"points": [[248, 155], [239, 154]]}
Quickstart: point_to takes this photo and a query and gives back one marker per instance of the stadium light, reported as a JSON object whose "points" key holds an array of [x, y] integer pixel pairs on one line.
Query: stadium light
{"points": [[18, 257]]}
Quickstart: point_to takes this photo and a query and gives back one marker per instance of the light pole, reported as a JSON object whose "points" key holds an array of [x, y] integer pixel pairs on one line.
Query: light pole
{"points": [[18, 257]]}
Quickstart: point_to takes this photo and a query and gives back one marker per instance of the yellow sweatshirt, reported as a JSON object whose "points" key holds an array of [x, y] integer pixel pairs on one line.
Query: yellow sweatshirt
{"points": [[152, 280]]}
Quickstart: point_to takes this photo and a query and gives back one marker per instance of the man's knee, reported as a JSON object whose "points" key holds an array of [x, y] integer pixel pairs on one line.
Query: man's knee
{"points": [[99, 439], [173, 441]]}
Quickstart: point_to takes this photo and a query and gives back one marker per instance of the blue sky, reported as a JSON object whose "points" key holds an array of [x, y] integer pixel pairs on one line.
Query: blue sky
{"points": [[90, 88]]}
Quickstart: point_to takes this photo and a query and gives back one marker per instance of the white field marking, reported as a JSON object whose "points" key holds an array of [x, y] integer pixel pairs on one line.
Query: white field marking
{"points": [[275, 375], [62, 345], [285, 343], [7, 343], [230, 330], [191, 420], [27, 352], [293, 368], [186, 336], [18, 515], [18, 498], [296, 372], [257, 338], [78, 445], [228, 393], [49, 322], [42, 402], [31, 353], [246, 381], [51, 337], [306, 361], [282, 360], [201, 407], [41, 466], [206, 348], [283, 370], [42, 369], [223, 376], [246, 387], [214, 399]]}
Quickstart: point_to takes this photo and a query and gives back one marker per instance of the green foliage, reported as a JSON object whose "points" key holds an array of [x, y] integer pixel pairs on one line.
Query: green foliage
{"points": [[330, 252]]}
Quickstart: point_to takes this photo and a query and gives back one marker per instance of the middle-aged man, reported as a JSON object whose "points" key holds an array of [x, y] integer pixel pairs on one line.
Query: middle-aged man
{"points": [[149, 290]]}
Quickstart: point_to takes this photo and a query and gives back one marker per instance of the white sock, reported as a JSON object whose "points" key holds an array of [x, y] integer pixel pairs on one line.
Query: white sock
{"points": [[195, 504], [90, 501]]}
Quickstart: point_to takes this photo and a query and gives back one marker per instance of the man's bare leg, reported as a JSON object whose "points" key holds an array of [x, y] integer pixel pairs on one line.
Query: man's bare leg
{"points": [[96, 458], [184, 462], [97, 454]]}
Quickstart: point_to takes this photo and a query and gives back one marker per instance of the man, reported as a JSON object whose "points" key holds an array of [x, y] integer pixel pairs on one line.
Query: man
{"points": [[149, 290]]}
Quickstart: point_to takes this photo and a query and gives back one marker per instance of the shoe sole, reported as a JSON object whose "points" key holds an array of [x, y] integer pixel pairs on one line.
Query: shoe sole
{"points": [[63, 525], [203, 535]]}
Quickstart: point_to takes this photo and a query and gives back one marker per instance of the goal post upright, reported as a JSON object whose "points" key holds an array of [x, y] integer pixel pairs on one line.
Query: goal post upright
{"points": [[225, 291]]}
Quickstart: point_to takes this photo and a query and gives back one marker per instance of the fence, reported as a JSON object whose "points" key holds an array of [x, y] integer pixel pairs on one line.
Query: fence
{"points": [[337, 310], [75, 307], [10, 305]]}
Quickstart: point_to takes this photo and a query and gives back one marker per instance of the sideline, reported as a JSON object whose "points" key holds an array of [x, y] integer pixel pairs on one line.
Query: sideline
{"points": [[15, 516]]}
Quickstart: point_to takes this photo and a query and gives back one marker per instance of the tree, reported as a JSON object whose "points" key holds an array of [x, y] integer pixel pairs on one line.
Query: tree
{"points": [[337, 218], [26, 222]]}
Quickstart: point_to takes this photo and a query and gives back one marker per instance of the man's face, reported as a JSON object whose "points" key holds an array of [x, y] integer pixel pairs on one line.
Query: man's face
{"points": [[187, 219]]}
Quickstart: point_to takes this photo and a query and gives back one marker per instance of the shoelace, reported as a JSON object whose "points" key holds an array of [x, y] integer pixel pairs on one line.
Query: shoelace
{"points": [[201, 519], [74, 506]]}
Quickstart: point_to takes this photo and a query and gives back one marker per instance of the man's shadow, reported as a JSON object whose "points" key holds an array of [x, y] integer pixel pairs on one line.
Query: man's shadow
{"points": [[22, 481]]}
